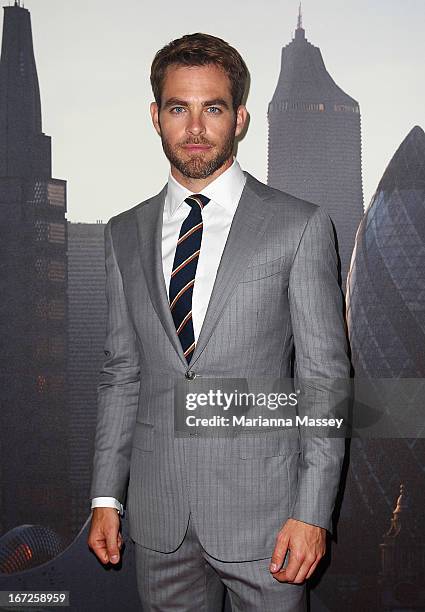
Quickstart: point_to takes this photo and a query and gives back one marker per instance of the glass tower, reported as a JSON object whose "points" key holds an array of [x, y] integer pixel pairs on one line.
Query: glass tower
{"points": [[386, 283], [386, 322]]}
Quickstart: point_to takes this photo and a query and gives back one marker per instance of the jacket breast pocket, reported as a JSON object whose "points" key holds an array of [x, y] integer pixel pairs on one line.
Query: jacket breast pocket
{"points": [[256, 272], [143, 436]]}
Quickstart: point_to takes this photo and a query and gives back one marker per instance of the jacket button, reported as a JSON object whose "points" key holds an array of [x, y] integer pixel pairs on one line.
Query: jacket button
{"points": [[190, 374]]}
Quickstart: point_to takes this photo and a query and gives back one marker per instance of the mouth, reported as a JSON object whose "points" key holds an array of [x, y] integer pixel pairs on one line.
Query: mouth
{"points": [[194, 148]]}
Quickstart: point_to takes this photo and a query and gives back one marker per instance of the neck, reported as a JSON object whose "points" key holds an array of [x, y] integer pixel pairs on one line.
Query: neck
{"points": [[197, 185]]}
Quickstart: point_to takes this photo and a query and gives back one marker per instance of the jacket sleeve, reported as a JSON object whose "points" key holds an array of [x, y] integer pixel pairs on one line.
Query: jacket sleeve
{"points": [[322, 368], [117, 390]]}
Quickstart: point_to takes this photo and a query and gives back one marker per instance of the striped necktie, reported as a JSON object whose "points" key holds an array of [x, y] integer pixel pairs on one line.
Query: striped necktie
{"points": [[184, 270]]}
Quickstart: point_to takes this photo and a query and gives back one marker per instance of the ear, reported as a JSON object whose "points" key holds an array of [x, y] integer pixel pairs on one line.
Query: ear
{"points": [[241, 118], [155, 117]]}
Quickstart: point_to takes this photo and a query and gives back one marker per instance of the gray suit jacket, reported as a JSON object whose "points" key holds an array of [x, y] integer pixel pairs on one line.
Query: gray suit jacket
{"points": [[276, 287]]}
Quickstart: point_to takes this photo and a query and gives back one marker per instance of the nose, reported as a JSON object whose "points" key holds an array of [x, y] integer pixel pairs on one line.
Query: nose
{"points": [[195, 124]]}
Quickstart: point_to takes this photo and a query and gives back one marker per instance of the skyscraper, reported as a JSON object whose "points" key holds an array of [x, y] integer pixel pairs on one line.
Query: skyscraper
{"points": [[386, 322], [386, 284], [87, 329], [386, 307], [33, 308], [314, 145]]}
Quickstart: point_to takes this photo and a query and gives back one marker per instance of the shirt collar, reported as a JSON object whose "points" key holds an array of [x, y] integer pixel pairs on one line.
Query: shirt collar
{"points": [[225, 190]]}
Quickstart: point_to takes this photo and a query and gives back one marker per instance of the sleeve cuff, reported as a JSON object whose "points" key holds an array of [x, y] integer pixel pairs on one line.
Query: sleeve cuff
{"points": [[107, 502]]}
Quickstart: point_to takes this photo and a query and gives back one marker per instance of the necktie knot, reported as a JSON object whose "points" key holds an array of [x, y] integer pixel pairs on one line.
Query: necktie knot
{"points": [[197, 201]]}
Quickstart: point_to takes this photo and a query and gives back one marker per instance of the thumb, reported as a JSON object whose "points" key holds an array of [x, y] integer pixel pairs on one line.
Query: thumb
{"points": [[279, 553]]}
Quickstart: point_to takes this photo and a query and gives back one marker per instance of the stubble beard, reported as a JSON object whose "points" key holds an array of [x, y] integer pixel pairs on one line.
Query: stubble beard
{"points": [[197, 167]]}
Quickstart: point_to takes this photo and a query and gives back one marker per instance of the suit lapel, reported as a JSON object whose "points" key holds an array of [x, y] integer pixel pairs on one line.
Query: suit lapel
{"points": [[149, 222], [248, 226]]}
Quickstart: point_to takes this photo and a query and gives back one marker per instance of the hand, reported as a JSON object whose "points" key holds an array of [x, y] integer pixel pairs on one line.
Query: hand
{"points": [[104, 538], [307, 545]]}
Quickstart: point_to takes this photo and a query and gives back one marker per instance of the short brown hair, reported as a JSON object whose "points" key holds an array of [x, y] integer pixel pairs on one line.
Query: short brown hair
{"points": [[200, 50]]}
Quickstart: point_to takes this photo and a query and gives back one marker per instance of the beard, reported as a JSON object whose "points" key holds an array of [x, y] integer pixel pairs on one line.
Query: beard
{"points": [[197, 167]]}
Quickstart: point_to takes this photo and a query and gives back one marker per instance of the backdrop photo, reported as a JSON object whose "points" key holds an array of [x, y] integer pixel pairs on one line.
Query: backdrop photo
{"points": [[336, 118]]}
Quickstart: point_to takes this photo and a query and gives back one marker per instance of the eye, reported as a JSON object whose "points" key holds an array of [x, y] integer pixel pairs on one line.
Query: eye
{"points": [[214, 110], [177, 110]]}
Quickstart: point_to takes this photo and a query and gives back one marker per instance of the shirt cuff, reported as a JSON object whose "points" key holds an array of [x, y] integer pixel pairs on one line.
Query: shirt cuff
{"points": [[107, 502]]}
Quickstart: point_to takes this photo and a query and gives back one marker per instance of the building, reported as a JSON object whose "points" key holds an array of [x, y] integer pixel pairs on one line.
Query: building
{"points": [[386, 323], [386, 284], [314, 141], [33, 308], [87, 330], [386, 308]]}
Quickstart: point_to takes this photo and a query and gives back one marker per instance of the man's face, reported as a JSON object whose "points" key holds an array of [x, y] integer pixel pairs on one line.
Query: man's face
{"points": [[196, 121]]}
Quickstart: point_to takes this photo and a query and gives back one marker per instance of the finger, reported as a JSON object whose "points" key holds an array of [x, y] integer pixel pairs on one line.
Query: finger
{"points": [[288, 573], [279, 552], [112, 545], [302, 572], [99, 549], [312, 568]]}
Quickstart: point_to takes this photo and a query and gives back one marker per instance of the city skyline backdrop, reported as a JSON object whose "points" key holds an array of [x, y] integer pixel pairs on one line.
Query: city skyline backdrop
{"points": [[93, 61], [53, 316]]}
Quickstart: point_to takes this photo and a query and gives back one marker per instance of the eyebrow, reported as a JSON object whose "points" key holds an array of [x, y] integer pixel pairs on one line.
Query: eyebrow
{"points": [[178, 102]]}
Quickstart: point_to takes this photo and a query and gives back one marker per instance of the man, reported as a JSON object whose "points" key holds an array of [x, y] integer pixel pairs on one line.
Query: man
{"points": [[216, 276]]}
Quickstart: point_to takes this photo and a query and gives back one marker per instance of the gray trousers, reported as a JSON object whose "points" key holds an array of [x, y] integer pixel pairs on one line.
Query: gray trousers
{"points": [[190, 580]]}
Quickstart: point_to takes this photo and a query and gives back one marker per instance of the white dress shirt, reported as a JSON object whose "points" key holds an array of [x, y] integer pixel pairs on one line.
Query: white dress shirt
{"points": [[217, 216]]}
